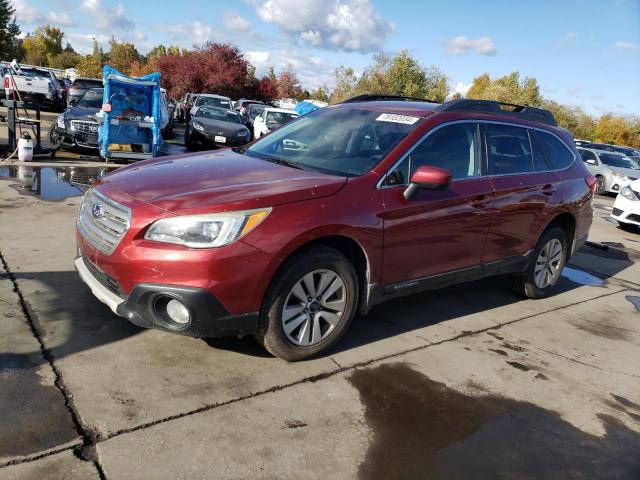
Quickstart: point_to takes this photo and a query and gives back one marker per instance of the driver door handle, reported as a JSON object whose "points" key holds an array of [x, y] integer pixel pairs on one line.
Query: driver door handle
{"points": [[480, 202]]}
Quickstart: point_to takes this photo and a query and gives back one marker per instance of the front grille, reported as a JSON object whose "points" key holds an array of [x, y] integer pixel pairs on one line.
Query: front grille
{"points": [[108, 282], [84, 127], [102, 222], [617, 212]]}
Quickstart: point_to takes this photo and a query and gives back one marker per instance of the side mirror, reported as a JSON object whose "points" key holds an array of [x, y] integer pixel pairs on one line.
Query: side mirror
{"points": [[72, 102], [591, 161], [428, 178]]}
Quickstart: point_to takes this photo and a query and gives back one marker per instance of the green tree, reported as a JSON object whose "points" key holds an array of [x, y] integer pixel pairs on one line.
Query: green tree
{"points": [[123, 55], [508, 89], [9, 31], [345, 84], [43, 45], [91, 65]]}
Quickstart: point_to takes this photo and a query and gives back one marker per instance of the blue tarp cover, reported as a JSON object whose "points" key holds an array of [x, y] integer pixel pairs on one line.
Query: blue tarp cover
{"points": [[305, 107], [131, 97]]}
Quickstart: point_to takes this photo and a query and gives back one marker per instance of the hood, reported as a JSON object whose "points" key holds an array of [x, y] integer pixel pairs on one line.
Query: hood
{"points": [[218, 127], [78, 113], [218, 181], [629, 172]]}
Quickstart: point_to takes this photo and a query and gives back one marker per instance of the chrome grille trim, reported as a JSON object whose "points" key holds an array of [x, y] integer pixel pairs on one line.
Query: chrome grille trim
{"points": [[84, 127], [103, 232]]}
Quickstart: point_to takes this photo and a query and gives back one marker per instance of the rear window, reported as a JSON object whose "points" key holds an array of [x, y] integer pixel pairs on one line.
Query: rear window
{"points": [[87, 83], [213, 102], [220, 114], [509, 149], [557, 152]]}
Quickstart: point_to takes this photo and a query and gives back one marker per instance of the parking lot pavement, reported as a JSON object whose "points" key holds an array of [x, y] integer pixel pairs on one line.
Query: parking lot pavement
{"points": [[530, 389]]}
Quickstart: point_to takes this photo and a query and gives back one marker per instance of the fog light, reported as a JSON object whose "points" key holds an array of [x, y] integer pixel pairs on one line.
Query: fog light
{"points": [[177, 312]]}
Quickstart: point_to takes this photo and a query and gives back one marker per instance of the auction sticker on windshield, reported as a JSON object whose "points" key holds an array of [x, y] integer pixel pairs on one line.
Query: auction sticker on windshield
{"points": [[395, 118]]}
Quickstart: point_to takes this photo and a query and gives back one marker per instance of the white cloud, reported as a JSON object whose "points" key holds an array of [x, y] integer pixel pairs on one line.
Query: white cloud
{"points": [[234, 21], [189, 34], [26, 13], [106, 18], [461, 88], [348, 25], [83, 42], [258, 58], [462, 46], [627, 45]]}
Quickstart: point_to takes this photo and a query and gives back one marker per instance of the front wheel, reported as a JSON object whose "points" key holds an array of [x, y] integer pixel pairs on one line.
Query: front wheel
{"points": [[600, 187], [546, 265], [55, 138], [310, 304]]}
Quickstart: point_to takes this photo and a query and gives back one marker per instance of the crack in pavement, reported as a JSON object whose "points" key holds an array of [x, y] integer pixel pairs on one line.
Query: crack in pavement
{"points": [[331, 373], [80, 450]]}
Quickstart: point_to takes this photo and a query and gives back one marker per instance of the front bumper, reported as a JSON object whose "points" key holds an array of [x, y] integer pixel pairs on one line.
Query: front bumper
{"points": [[208, 317], [208, 139], [78, 139], [626, 211]]}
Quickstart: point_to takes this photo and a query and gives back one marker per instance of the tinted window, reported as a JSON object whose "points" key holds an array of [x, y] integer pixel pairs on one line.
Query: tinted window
{"points": [[213, 113], [91, 99], [556, 151], [617, 160], [452, 147], [213, 101], [85, 83], [540, 161], [509, 149]]}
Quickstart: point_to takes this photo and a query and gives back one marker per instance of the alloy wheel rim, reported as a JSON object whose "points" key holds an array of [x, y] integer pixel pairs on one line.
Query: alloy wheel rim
{"points": [[548, 264], [314, 307]]}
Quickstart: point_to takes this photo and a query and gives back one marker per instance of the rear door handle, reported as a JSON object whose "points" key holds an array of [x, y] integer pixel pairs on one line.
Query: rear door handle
{"points": [[548, 189]]}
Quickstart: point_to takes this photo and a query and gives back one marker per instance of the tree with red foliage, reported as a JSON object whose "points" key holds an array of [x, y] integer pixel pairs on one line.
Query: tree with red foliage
{"points": [[288, 83], [211, 68], [267, 89]]}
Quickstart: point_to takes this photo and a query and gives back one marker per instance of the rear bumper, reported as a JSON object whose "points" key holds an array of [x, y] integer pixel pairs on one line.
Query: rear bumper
{"points": [[208, 317], [210, 140]]}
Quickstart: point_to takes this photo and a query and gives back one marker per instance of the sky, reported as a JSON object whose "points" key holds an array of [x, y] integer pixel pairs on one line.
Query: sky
{"points": [[582, 52]]}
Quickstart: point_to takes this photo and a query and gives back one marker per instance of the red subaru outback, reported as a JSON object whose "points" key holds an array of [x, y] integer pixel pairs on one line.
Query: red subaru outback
{"points": [[378, 197]]}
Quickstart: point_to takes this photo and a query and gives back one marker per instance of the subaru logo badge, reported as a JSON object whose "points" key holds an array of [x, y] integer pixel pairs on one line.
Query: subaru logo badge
{"points": [[97, 211]]}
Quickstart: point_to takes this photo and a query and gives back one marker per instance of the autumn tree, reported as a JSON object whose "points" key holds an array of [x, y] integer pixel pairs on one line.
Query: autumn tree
{"points": [[123, 55], [91, 65], [508, 89], [288, 83], [41, 47], [345, 84], [616, 130], [9, 31]]}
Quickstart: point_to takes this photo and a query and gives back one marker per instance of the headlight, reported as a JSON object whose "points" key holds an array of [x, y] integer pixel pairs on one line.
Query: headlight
{"points": [[242, 133], [198, 126], [60, 121], [206, 231], [627, 193]]}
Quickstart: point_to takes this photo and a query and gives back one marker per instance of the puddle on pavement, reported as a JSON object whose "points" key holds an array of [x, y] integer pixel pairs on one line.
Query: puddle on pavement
{"points": [[424, 429], [583, 278], [51, 183]]}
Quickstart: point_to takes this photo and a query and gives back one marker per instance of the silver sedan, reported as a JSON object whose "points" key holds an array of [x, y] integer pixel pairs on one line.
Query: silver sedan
{"points": [[612, 170]]}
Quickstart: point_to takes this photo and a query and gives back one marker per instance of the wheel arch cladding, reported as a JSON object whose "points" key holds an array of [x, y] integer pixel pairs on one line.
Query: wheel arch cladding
{"points": [[567, 222]]}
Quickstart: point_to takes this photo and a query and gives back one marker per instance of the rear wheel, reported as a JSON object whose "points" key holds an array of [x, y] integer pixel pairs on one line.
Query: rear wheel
{"points": [[546, 265], [310, 304], [600, 185]]}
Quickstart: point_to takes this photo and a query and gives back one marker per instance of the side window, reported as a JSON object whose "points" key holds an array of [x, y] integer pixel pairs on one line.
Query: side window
{"points": [[540, 161], [556, 151], [509, 149], [587, 155], [453, 147]]}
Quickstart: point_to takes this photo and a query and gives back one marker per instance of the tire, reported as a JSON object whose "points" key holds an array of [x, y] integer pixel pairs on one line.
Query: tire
{"points": [[530, 284], [600, 185], [55, 139], [325, 321]]}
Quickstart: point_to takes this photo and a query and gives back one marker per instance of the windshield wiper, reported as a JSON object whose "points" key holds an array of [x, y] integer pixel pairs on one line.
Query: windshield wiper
{"points": [[281, 161]]}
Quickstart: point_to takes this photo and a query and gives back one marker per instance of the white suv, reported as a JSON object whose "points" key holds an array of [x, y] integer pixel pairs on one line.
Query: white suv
{"points": [[271, 119]]}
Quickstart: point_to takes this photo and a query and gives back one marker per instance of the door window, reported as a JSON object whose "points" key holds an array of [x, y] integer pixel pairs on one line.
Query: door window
{"points": [[540, 161], [509, 149], [587, 155], [556, 151]]}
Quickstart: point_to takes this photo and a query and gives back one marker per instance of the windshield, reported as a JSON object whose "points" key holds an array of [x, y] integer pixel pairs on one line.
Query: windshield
{"points": [[214, 113], [341, 141], [278, 118], [618, 161], [214, 102], [91, 99], [255, 110]]}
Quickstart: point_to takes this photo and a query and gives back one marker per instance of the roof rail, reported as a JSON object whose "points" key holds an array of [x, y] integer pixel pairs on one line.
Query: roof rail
{"points": [[374, 97], [491, 106]]}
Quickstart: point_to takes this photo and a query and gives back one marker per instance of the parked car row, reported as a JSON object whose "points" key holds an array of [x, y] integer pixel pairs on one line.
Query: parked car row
{"points": [[612, 170]]}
